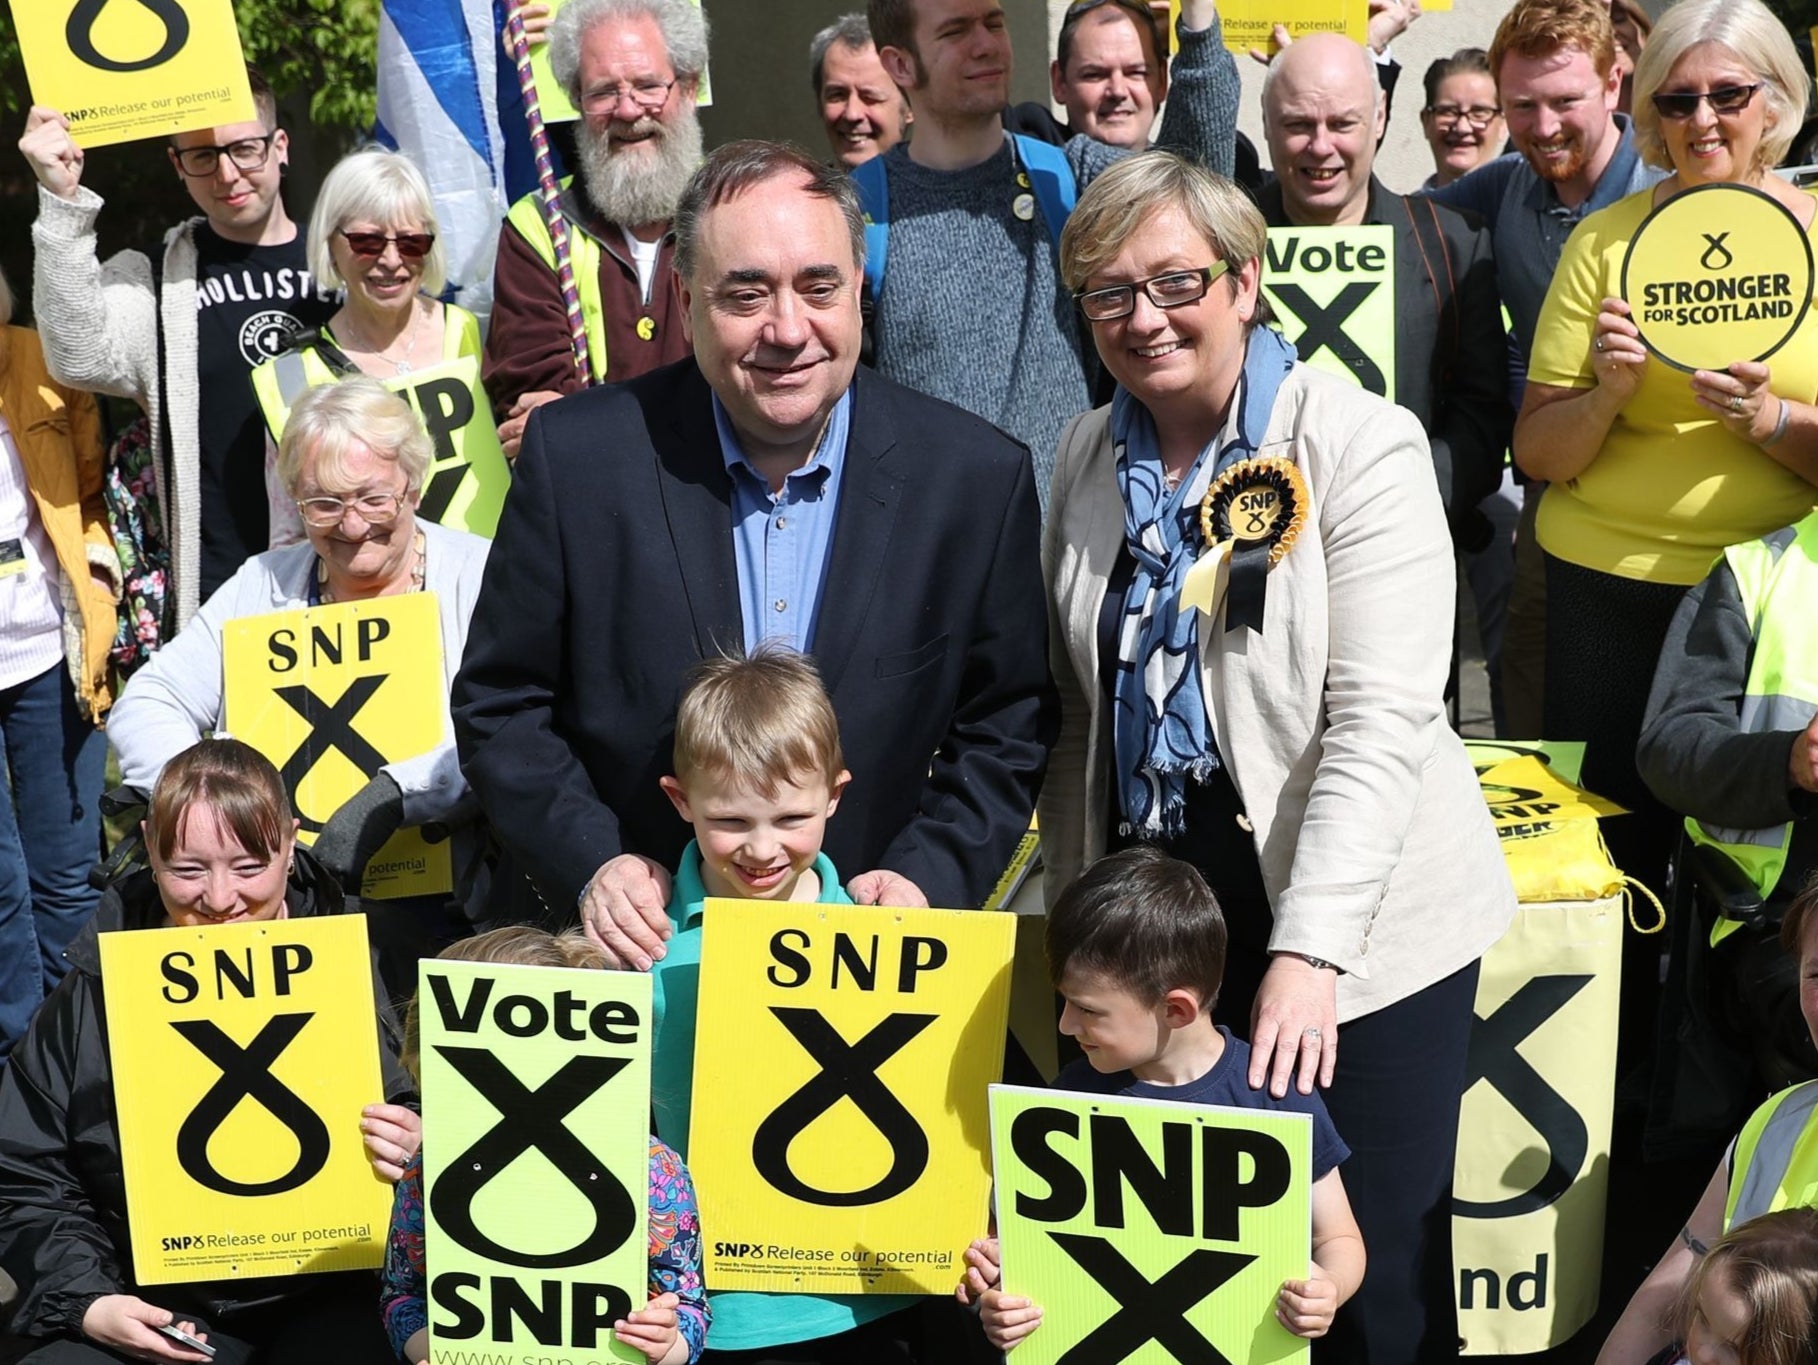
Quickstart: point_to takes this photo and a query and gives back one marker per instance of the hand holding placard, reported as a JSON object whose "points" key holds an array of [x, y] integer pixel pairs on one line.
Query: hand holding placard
{"points": [[51, 153]]}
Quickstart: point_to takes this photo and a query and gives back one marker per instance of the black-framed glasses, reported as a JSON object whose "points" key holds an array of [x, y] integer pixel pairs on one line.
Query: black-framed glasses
{"points": [[649, 96], [1449, 115], [375, 509], [1172, 290], [249, 154], [1682, 104], [412, 246]]}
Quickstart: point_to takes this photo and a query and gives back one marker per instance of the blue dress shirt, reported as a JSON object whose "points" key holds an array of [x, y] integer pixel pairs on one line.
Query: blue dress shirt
{"points": [[780, 540]]}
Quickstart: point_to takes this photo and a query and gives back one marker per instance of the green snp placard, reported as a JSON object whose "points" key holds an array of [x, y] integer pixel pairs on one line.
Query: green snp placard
{"points": [[536, 1159], [1151, 1232]]}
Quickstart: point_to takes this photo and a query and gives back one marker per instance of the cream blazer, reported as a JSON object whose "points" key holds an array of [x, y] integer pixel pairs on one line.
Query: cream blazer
{"points": [[1377, 850]]}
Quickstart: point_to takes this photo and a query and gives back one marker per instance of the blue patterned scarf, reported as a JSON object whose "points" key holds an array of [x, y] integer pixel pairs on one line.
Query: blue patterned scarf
{"points": [[1160, 732]]}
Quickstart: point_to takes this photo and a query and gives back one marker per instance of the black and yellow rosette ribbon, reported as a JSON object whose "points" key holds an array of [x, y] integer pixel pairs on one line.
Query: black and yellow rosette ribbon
{"points": [[1253, 512]]}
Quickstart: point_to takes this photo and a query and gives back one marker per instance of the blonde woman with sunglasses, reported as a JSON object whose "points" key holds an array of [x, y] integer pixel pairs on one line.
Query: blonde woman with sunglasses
{"points": [[373, 235], [1653, 471]]}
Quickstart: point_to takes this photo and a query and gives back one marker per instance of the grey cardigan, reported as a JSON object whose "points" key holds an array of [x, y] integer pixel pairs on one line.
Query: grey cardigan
{"points": [[1376, 847], [99, 323]]}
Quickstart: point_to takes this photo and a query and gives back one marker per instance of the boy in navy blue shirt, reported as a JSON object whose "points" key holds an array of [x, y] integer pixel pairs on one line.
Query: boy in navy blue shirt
{"points": [[1136, 948]]}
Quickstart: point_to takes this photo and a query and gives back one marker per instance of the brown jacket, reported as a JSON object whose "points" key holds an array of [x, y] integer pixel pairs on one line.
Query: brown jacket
{"points": [[58, 435], [527, 341]]}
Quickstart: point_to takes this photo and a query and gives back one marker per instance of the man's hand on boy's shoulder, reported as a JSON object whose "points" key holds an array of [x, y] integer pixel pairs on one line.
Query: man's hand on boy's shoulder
{"points": [[624, 909], [884, 887]]}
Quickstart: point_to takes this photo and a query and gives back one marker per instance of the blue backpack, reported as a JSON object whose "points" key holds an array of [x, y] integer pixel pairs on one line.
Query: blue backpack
{"points": [[1044, 165]]}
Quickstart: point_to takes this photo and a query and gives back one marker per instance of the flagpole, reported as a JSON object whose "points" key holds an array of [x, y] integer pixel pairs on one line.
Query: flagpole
{"points": [[549, 193]]}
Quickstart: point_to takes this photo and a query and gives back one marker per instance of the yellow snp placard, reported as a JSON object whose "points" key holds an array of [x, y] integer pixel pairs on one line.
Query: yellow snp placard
{"points": [[1534, 1129], [242, 1056], [1251, 23], [1333, 291], [855, 1159], [331, 695], [553, 102], [1150, 1231], [465, 485], [120, 71], [1718, 274], [536, 1159]]}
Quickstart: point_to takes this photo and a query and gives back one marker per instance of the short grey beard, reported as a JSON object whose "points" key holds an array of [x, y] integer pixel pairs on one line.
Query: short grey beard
{"points": [[630, 194]]}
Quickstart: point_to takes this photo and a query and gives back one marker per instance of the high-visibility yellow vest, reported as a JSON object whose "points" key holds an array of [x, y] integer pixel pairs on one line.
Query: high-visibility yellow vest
{"points": [[1775, 1164], [279, 382], [1782, 688], [583, 256]]}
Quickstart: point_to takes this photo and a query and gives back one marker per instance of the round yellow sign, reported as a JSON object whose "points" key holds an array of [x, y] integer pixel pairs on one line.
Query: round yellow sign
{"points": [[1718, 274]]}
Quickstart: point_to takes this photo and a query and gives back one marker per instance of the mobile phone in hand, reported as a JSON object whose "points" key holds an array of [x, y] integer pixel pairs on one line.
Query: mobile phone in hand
{"points": [[182, 1338]]}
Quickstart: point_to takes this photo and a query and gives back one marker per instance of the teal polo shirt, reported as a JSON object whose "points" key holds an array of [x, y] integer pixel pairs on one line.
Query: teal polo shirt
{"points": [[742, 1320]]}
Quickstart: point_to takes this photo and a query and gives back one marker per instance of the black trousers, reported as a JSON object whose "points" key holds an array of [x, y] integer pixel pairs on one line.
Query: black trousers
{"points": [[1394, 1100], [1603, 642], [336, 1321]]}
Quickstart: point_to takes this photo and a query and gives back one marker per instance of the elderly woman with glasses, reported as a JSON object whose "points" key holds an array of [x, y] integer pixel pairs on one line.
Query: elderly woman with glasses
{"points": [[1652, 471], [1250, 592], [352, 460], [373, 234]]}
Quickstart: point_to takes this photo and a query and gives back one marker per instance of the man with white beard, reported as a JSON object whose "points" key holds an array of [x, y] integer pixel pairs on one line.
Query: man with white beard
{"points": [[633, 68]]}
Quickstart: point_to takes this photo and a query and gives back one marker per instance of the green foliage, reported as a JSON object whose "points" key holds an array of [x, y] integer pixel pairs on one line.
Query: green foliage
{"points": [[323, 49]]}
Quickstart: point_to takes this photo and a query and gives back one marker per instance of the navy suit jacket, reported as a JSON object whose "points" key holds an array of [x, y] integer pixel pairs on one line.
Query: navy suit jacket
{"points": [[613, 572]]}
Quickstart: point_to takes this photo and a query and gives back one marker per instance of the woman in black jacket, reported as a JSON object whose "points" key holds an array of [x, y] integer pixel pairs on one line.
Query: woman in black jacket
{"points": [[221, 843]]}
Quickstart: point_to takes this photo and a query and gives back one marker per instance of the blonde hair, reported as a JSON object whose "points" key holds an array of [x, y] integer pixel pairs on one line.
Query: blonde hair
{"points": [[1771, 1262], [759, 721], [380, 187], [516, 945], [330, 418], [1133, 190], [1751, 33]]}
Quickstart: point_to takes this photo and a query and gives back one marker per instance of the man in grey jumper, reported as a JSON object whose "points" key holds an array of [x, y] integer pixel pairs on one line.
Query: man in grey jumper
{"points": [[972, 309]]}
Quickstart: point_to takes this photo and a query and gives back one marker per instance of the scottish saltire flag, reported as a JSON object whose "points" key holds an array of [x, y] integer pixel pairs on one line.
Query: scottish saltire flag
{"points": [[445, 103]]}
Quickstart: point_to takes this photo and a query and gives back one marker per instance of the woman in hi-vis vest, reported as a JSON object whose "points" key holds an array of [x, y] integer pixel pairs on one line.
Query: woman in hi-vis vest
{"points": [[1772, 1165], [373, 234]]}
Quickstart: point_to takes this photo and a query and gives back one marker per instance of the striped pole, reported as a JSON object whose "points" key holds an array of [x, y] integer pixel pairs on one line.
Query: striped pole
{"points": [[549, 194]]}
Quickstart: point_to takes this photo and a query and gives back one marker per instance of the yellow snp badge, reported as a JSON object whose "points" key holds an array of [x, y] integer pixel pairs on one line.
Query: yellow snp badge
{"points": [[1250, 518], [1718, 274]]}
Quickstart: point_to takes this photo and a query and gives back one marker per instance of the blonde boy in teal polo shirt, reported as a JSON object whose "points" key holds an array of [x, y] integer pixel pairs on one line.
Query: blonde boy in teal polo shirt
{"points": [[758, 773]]}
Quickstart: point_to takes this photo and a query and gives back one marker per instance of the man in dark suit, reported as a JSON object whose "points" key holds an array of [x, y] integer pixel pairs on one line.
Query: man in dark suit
{"points": [[767, 487], [1323, 115]]}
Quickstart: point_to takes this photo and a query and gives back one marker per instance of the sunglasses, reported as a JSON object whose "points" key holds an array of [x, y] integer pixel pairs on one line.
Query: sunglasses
{"points": [[412, 246], [1731, 99]]}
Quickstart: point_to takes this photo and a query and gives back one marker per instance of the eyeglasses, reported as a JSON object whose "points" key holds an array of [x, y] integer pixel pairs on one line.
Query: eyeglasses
{"points": [[1171, 290], [249, 154], [1731, 99], [375, 509], [412, 246], [1449, 115], [649, 96]]}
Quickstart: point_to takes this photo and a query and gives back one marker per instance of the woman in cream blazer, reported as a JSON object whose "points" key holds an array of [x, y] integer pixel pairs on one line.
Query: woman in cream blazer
{"points": [[1329, 804]]}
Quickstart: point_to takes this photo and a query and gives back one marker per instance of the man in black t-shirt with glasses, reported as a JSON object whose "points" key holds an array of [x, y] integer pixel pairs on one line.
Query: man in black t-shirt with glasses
{"points": [[181, 339]]}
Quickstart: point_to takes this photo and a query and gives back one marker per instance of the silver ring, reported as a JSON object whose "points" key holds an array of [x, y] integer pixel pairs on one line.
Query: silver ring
{"points": [[1311, 1032], [1735, 402], [1599, 343]]}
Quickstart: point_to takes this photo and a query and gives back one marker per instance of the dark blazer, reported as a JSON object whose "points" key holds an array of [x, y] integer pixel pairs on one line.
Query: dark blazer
{"points": [[1451, 349], [613, 572]]}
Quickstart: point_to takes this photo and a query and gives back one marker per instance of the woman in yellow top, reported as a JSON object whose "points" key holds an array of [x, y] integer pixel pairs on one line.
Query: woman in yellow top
{"points": [[1654, 471], [373, 233]]}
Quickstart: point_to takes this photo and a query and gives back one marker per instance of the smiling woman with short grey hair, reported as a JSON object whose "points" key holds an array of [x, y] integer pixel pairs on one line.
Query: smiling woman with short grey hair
{"points": [[1250, 595]]}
